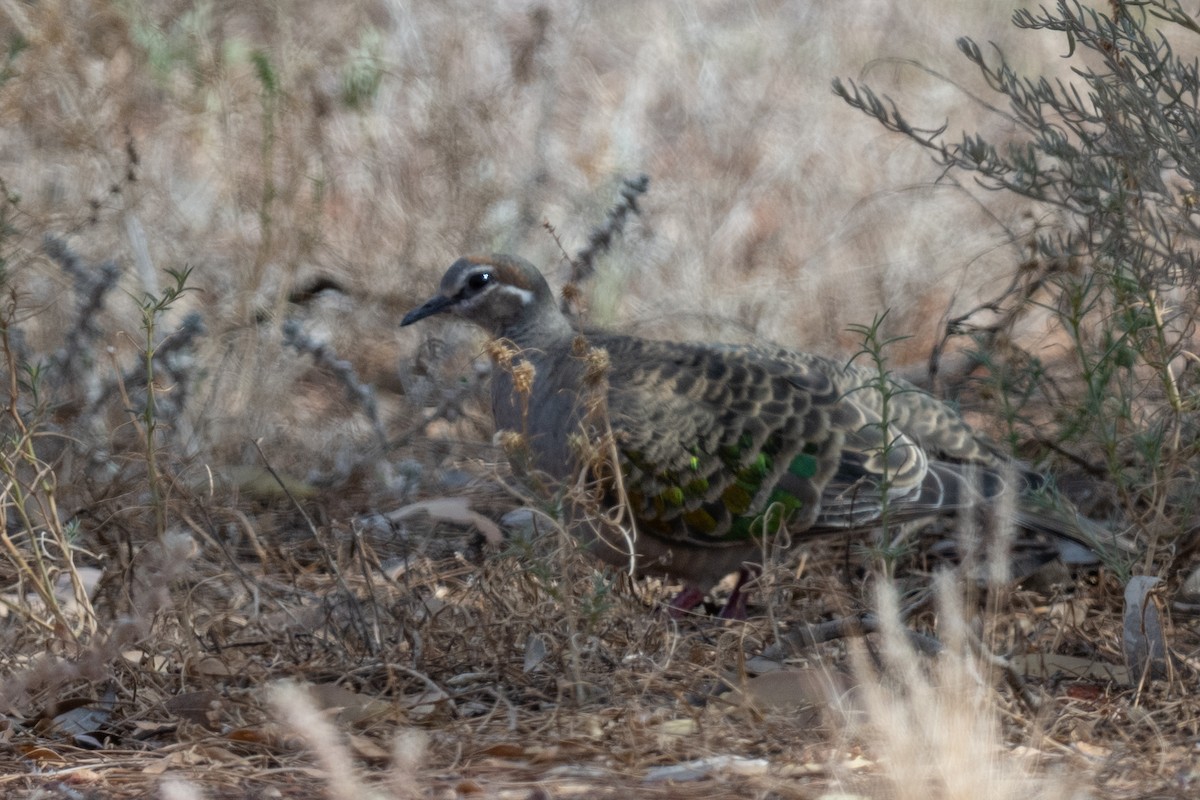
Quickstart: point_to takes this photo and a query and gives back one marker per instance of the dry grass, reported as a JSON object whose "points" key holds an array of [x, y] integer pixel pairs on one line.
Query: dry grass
{"points": [[494, 675], [180, 620]]}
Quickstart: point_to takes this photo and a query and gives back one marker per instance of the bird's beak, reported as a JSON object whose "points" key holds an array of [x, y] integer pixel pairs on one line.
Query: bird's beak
{"points": [[435, 305]]}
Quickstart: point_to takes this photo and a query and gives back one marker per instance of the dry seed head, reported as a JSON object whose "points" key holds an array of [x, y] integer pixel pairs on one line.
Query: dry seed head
{"points": [[572, 296], [512, 441], [523, 375], [586, 448], [502, 352], [578, 443], [596, 361], [597, 364]]}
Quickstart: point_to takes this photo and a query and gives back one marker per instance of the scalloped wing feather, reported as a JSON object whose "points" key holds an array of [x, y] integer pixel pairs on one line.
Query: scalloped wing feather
{"points": [[720, 445]]}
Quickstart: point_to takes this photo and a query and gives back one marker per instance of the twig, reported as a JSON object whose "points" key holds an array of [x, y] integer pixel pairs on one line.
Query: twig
{"points": [[92, 285], [853, 627], [166, 356], [343, 370], [583, 265]]}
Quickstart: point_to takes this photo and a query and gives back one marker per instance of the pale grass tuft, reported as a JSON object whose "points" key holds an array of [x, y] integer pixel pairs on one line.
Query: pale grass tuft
{"points": [[177, 789], [304, 719], [935, 726], [409, 750]]}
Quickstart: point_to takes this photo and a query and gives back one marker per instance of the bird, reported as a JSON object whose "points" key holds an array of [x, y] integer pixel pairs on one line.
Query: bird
{"points": [[681, 459]]}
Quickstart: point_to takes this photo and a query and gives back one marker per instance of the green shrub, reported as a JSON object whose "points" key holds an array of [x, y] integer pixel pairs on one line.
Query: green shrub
{"points": [[1111, 152]]}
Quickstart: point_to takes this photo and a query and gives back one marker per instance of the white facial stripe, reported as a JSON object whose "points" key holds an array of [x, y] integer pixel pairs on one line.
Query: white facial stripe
{"points": [[524, 295]]}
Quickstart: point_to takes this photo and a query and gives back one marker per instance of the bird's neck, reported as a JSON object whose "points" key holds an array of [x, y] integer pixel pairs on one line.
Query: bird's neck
{"points": [[541, 331]]}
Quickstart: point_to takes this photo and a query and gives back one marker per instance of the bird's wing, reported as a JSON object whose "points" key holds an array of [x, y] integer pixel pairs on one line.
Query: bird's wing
{"points": [[716, 447], [719, 445], [930, 423]]}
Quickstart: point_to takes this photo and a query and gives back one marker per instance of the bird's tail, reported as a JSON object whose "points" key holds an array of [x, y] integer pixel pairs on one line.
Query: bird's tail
{"points": [[1080, 540]]}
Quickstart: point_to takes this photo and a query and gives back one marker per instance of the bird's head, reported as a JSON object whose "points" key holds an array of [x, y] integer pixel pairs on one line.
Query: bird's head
{"points": [[504, 295]]}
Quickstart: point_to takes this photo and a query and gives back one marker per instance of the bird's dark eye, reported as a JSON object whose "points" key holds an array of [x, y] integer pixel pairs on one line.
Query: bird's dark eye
{"points": [[479, 280]]}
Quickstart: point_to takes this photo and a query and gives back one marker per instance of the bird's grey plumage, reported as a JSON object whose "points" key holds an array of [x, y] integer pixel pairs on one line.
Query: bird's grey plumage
{"points": [[717, 445]]}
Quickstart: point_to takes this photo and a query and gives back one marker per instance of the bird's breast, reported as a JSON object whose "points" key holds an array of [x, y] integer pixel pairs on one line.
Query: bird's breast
{"points": [[545, 412]]}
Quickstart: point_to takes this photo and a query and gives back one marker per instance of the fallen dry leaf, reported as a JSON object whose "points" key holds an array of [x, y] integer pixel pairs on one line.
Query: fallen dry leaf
{"points": [[786, 689], [201, 708], [1050, 665], [451, 509], [701, 768], [352, 708], [364, 747], [1142, 632], [504, 750], [678, 727]]}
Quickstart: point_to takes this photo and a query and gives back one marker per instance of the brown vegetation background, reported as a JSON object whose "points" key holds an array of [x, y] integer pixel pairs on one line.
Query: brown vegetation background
{"points": [[147, 133], [265, 146]]}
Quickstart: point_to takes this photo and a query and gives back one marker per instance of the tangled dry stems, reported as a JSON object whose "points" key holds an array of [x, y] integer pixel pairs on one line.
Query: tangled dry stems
{"points": [[447, 663]]}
